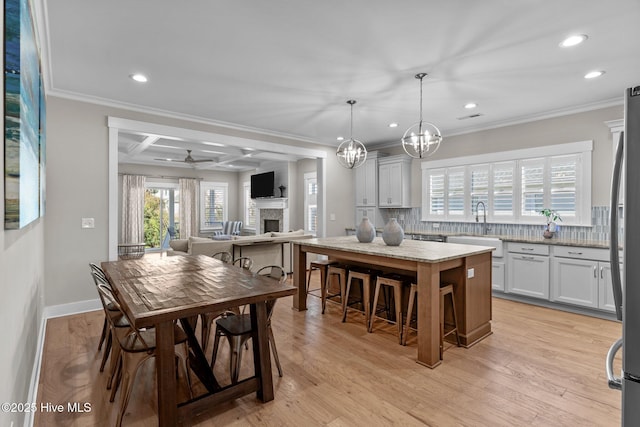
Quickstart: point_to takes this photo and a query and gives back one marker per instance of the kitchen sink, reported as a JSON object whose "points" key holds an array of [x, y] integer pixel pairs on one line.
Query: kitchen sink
{"points": [[479, 241]]}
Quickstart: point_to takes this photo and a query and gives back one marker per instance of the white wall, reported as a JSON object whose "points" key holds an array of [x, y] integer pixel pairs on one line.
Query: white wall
{"points": [[22, 281], [77, 135]]}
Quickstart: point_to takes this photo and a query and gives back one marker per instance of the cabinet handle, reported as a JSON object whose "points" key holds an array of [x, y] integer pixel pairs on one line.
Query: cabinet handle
{"points": [[527, 257], [575, 253], [602, 272], [595, 272], [527, 249]]}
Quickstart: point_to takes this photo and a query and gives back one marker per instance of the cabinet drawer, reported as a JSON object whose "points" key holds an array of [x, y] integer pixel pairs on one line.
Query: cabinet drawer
{"points": [[581, 253], [527, 248]]}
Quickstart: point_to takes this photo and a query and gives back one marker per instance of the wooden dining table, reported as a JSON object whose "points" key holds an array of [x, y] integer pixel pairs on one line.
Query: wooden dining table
{"points": [[157, 291]]}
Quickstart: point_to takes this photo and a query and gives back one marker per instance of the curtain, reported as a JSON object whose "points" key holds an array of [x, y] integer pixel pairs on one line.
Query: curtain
{"points": [[133, 190], [189, 192]]}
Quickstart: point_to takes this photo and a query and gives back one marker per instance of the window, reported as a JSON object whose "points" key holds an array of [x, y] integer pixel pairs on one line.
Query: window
{"points": [[435, 189], [249, 207], [310, 202], [456, 192], [479, 186], [514, 186], [502, 176], [161, 210], [213, 204], [532, 192]]}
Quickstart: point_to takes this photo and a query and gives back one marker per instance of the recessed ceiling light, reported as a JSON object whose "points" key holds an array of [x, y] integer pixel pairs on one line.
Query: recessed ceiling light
{"points": [[573, 40], [340, 138], [215, 144], [470, 105], [393, 125], [140, 78], [593, 74]]}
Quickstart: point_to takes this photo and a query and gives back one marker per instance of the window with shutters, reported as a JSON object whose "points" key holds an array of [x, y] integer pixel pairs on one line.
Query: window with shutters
{"points": [[502, 178], [563, 183], [434, 186], [311, 202], [479, 186], [249, 207], [532, 191], [514, 186], [213, 204], [456, 192]]}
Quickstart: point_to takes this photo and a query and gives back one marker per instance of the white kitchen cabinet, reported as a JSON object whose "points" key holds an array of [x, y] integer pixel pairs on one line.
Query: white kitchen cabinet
{"points": [[394, 182], [605, 288], [367, 182], [369, 212], [497, 274], [582, 276], [528, 270], [575, 281]]}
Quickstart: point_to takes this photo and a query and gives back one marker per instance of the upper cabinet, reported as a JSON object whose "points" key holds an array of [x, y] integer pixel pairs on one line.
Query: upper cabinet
{"points": [[394, 182], [367, 181]]}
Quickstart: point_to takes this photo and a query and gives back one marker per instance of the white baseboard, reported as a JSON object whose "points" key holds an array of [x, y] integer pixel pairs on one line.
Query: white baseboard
{"points": [[49, 313]]}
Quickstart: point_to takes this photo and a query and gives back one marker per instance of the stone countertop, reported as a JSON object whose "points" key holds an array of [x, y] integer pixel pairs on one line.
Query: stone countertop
{"points": [[558, 240], [413, 250]]}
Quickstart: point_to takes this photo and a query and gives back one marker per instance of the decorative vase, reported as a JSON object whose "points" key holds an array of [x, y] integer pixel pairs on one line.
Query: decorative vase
{"points": [[365, 231], [392, 233], [547, 234]]}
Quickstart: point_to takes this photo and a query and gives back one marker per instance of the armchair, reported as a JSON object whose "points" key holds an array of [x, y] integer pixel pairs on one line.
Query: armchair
{"points": [[229, 228]]}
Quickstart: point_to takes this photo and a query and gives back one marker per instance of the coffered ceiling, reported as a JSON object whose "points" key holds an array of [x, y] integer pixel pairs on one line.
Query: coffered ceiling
{"points": [[289, 66]]}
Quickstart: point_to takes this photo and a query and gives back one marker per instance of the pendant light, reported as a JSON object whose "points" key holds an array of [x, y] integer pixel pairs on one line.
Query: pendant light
{"points": [[351, 153], [422, 139]]}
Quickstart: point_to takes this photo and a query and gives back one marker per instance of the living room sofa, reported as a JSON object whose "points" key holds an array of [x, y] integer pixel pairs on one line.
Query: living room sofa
{"points": [[262, 253]]}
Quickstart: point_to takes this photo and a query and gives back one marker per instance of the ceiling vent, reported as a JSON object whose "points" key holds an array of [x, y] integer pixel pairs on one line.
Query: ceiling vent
{"points": [[472, 116]]}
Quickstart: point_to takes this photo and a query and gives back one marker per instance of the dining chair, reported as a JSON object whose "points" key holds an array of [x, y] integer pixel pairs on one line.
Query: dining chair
{"points": [[237, 328], [135, 347], [243, 262], [112, 317], [223, 256], [208, 318]]}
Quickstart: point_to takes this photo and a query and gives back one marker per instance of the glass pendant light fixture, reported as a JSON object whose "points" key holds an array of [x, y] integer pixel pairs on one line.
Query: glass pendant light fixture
{"points": [[351, 152], [422, 139]]}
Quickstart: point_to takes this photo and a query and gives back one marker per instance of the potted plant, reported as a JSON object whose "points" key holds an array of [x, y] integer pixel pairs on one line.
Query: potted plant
{"points": [[551, 216]]}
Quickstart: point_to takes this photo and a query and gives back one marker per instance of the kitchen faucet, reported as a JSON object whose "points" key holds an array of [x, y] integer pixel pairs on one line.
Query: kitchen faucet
{"points": [[484, 212]]}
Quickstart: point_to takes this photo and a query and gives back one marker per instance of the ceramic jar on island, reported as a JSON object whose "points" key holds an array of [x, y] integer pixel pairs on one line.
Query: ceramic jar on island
{"points": [[392, 234], [365, 231]]}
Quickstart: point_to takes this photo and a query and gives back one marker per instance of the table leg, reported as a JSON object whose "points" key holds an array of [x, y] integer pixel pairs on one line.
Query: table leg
{"points": [[197, 359], [166, 374], [299, 278], [428, 279], [261, 355]]}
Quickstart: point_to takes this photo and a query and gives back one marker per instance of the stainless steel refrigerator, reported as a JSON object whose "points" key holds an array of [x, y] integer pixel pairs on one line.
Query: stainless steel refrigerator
{"points": [[626, 289]]}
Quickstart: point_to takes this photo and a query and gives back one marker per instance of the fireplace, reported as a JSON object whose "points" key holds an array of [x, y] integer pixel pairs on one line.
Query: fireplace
{"points": [[271, 225], [272, 214]]}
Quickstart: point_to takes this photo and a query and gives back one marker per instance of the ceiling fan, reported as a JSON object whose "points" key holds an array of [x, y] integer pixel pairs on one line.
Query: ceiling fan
{"points": [[189, 160]]}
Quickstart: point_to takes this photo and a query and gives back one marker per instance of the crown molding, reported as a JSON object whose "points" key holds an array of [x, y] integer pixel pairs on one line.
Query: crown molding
{"points": [[74, 96], [521, 120]]}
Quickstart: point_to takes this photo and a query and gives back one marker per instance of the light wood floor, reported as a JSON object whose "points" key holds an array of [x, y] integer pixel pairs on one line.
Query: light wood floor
{"points": [[540, 367]]}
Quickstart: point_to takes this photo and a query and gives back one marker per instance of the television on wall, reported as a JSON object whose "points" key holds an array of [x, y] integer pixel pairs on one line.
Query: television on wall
{"points": [[263, 185]]}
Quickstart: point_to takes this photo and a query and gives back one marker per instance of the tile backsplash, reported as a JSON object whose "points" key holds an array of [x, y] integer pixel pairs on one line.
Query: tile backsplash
{"points": [[409, 219]]}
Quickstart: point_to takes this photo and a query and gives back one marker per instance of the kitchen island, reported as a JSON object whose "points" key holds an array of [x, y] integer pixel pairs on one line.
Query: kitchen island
{"points": [[467, 267]]}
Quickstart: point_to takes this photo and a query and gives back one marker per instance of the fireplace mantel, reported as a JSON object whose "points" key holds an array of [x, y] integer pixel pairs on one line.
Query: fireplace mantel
{"points": [[272, 203], [275, 203]]}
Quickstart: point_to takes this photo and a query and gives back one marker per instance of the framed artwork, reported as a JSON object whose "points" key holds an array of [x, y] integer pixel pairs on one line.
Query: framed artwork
{"points": [[24, 109]]}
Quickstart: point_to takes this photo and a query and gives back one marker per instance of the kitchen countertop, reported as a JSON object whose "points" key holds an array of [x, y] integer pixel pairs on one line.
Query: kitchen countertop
{"points": [[413, 250], [559, 240]]}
